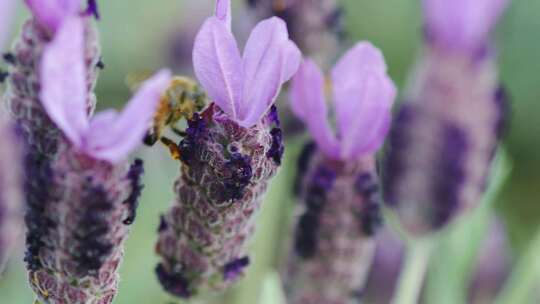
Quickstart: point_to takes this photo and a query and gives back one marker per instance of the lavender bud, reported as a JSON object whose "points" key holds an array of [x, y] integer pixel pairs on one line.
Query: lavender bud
{"points": [[445, 134], [316, 26], [226, 169], [79, 226], [333, 240], [24, 83], [10, 190]]}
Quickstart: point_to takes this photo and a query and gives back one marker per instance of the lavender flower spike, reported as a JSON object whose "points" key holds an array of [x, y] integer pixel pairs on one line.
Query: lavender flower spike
{"points": [[229, 154], [337, 182], [24, 82], [11, 201], [446, 132], [88, 192]]}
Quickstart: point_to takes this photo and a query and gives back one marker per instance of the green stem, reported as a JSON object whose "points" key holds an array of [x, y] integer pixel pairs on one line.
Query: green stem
{"points": [[524, 277], [412, 274]]}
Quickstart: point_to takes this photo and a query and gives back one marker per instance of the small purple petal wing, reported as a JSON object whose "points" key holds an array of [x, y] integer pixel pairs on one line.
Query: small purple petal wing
{"points": [[113, 136], [63, 91], [51, 13], [363, 96], [217, 64], [461, 24], [223, 12], [308, 103], [269, 60]]}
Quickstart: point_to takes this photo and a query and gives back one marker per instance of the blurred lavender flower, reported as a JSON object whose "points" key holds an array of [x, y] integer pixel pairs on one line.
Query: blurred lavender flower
{"points": [[493, 266], [88, 193], [229, 154], [10, 190], [315, 25], [24, 82], [445, 134], [387, 263], [338, 183]]}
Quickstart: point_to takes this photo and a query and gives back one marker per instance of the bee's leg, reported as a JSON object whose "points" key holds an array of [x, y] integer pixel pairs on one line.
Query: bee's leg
{"points": [[173, 147], [178, 132], [150, 138]]}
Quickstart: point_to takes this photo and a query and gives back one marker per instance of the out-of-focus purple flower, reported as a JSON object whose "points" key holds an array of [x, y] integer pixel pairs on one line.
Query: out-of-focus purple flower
{"points": [[244, 87], [461, 25], [363, 95], [493, 266], [337, 181], [229, 154], [446, 132], [11, 196], [316, 26], [7, 12], [109, 135], [51, 13], [384, 272]]}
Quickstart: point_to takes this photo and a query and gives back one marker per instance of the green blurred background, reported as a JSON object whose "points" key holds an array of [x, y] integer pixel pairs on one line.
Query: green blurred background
{"points": [[136, 36]]}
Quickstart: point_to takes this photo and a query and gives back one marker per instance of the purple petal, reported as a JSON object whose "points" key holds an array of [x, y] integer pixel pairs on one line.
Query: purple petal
{"points": [[223, 12], [461, 24], [113, 136], [63, 91], [217, 64], [363, 95], [269, 60], [51, 13], [7, 12], [308, 103]]}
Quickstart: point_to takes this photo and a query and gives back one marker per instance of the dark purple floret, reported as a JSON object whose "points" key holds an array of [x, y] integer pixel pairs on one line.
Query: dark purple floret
{"points": [[367, 185], [503, 106], [277, 148], [194, 135], [3, 76], [175, 283], [9, 58], [92, 246], [398, 143], [448, 180], [305, 242], [302, 166], [371, 218], [273, 115], [232, 269], [237, 177], [38, 181], [324, 178], [134, 175], [93, 9], [162, 224], [100, 64]]}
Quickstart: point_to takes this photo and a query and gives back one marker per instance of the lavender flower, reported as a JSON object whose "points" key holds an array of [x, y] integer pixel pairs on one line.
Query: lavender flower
{"points": [[229, 154], [88, 193], [337, 183], [10, 190], [25, 80], [315, 25], [445, 134]]}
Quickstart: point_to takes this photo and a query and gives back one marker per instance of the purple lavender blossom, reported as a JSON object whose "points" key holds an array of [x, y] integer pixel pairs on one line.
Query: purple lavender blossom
{"points": [[446, 132], [24, 82], [315, 25], [87, 193], [229, 154], [338, 184], [11, 210]]}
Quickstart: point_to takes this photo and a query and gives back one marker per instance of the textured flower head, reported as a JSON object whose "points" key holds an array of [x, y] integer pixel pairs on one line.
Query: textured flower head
{"points": [[7, 10], [244, 87], [108, 135], [461, 24], [363, 95]]}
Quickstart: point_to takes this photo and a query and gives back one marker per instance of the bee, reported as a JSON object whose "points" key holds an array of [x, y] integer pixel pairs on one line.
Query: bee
{"points": [[182, 98]]}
